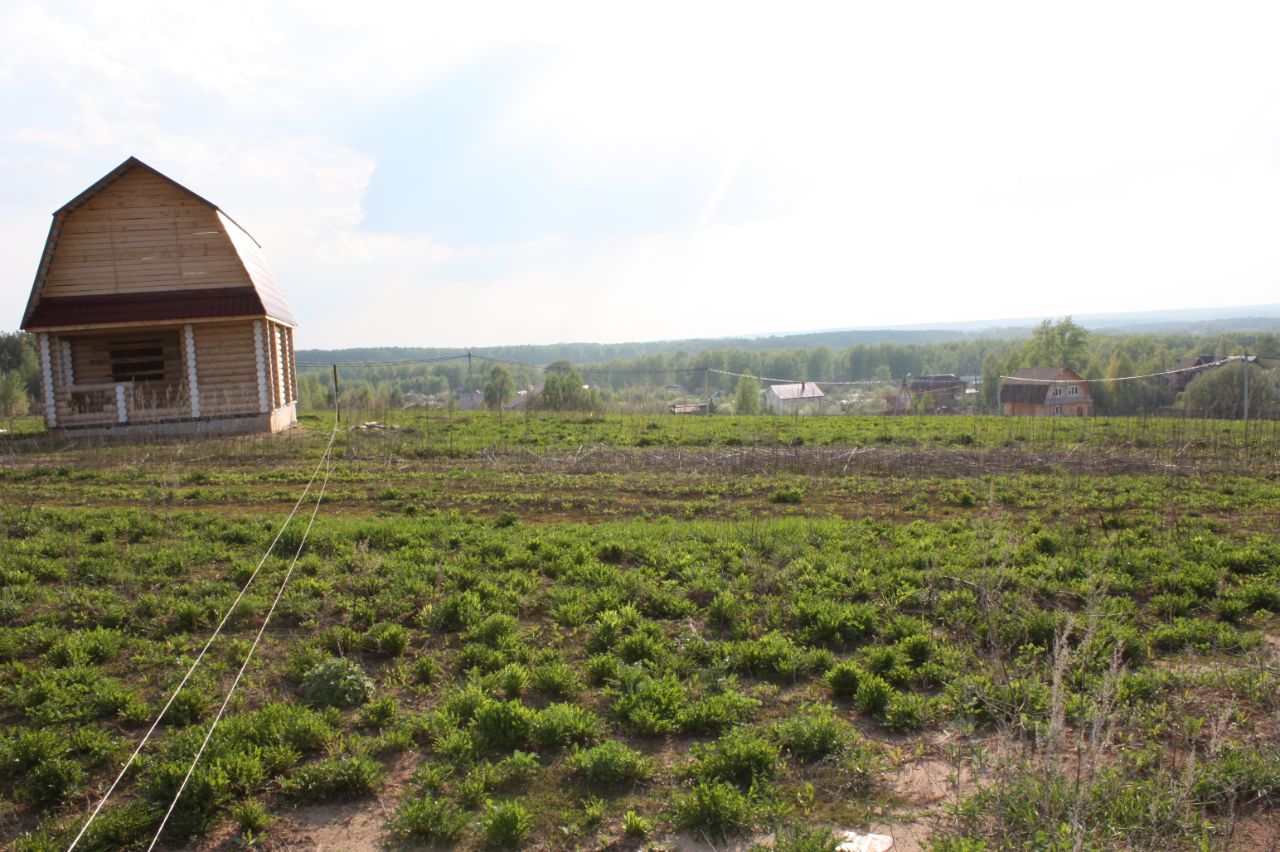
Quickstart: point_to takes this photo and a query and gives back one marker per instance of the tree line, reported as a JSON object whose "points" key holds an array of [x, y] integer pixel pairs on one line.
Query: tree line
{"points": [[656, 378]]}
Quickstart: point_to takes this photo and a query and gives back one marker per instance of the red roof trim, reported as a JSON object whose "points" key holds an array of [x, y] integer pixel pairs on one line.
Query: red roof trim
{"points": [[58, 311]]}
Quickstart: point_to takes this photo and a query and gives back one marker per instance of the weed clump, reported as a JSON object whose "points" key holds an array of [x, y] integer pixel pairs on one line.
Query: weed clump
{"points": [[715, 809], [337, 682], [611, 764], [506, 825], [334, 778]]}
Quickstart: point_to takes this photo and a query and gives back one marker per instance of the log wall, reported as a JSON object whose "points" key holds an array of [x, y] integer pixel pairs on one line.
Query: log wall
{"points": [[83, 375], [142, 234]]}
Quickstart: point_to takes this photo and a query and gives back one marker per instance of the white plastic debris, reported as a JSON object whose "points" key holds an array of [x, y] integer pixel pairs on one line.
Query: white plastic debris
{"points": [[859, 841]]}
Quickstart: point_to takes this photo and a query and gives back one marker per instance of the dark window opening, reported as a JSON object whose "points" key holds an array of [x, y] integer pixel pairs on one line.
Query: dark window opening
{"points": [[137, 361]]}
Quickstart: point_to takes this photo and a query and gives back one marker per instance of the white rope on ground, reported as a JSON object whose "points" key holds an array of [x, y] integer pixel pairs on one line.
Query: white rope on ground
{"points": [[249, 656], [205, 649]]}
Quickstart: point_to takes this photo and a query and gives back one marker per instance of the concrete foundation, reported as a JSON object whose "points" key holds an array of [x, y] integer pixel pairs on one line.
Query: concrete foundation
{"points": [[274, 421]]}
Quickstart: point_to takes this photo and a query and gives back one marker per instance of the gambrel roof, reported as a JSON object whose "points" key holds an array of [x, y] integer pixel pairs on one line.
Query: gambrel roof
{"points": [[251, 288]]}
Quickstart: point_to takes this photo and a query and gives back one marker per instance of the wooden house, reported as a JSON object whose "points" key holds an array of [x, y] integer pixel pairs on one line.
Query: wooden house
{"points": [[936, 394], [1046, 392], [793, 398], [154, 311]]}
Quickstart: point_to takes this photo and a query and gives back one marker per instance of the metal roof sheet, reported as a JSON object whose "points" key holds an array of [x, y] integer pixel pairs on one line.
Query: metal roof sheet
{"points": [[61, 311], [798, 390]]}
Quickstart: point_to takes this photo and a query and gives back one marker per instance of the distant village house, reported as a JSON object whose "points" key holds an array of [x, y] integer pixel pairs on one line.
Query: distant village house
{"points": [[935, 394], [794, 398], [1046, 392], [154, 311], [1194, 365]]}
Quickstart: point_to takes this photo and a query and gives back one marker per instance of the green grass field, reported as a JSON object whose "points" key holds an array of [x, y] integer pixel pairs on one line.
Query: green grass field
{"points": [[638, 632]]}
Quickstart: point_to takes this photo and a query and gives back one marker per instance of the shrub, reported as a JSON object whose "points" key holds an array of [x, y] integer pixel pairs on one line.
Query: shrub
{"points": [[556, 679], [844, 679], [611, 764], [1198, 634], [84, 647], [634, 825], [426, 671], [495, 630], [428, 818], [251, 816], [124, 827], [715, 713], [190, 705], [823, 621], [715, 809], [52, 781], [337, 682], [512, 680], [743, 756], [771, 656], [648, 705], [603, 668], [813, 733], [559, 725], [611, 626], [387, 638], [787, 495], [519, 768], [724, 609], [379, 713], [873, 695], [506, 825], [806, 838], [502, 725], [918, 649], [334, 778], [904, 712]]}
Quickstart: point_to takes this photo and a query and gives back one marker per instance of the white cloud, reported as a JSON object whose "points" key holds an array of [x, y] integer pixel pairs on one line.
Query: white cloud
{"points": [[911, 163]]}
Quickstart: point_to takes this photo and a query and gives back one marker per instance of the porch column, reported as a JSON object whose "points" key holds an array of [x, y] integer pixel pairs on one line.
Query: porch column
{"points": [[279, 364], [190, 334], [46, 378], [68, 373], [260, 355]]}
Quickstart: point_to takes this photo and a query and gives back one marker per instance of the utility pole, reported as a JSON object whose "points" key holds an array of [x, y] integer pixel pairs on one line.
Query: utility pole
{"points": [[1246, 386], [337, 414], [706, 387]]}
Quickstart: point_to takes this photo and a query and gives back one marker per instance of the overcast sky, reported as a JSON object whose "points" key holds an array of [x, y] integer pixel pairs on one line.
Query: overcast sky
{"points": [[453, 173]]}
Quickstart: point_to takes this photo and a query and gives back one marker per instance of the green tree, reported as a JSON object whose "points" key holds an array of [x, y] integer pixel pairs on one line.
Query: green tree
{"points": [[13, 394], [564, 390], [1057, 344], [747, 399], [1220, 393], [991, 383], [499, 388], [822, 365]]}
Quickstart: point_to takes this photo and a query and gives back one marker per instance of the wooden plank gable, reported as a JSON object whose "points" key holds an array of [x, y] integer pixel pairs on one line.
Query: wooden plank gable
{"points": [[137, 231]]}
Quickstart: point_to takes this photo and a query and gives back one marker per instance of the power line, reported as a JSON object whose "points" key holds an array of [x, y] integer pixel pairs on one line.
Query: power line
{"points": [[1229, 359]]}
